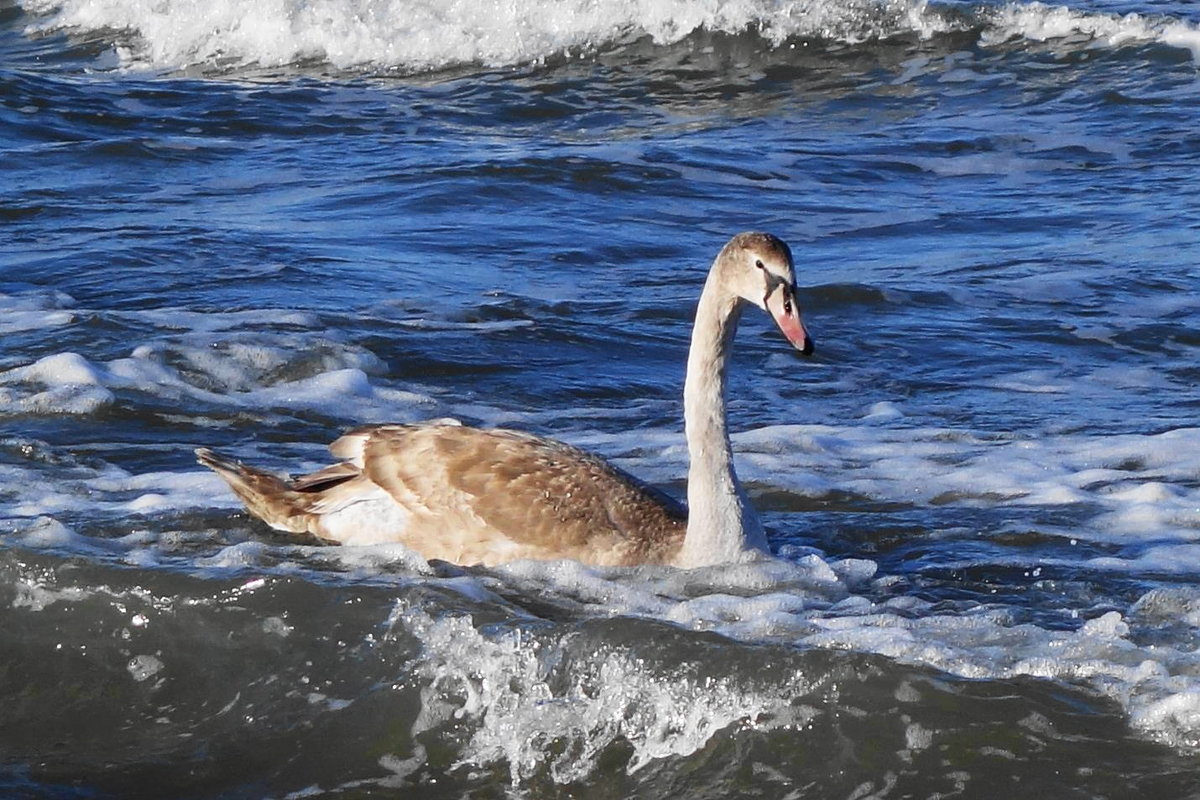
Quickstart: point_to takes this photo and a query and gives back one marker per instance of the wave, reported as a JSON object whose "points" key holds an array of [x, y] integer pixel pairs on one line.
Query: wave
{"points": [[553, 666], [413, 36], [414, 683]]}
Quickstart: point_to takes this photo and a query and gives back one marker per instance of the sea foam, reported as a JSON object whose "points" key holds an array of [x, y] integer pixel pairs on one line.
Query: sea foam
{"points": [[238, 378], [421, 35], [29, 309], [426, 34], [1040, 22], [510, 681], [524, 693]]}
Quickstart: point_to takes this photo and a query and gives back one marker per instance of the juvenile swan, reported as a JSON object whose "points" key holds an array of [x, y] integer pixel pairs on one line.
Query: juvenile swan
{"points": [[471, 496]]}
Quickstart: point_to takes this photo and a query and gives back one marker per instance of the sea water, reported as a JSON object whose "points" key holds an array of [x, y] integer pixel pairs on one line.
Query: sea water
{"points": [[251, 226]]}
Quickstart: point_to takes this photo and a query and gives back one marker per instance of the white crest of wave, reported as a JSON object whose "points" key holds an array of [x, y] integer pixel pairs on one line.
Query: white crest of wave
{"points": [[419, 35], [531, 708], [429, 34], [1040, 22]]}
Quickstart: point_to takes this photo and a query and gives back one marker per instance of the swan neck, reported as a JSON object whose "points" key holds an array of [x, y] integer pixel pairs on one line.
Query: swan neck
{"points": [[722, 525]]}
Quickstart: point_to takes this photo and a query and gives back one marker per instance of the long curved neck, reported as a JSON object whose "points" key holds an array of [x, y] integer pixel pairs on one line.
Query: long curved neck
{"points": [[722, 525]]}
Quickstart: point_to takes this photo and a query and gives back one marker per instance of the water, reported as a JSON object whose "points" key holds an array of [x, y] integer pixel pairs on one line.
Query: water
{"points": [[251, 226]]}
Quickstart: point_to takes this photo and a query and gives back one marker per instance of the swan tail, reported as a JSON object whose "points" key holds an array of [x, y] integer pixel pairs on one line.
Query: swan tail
{"points": [[270, 498]]}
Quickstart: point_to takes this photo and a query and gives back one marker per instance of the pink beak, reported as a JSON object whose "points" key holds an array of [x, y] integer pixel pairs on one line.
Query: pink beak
{"points": [[792, 328]]}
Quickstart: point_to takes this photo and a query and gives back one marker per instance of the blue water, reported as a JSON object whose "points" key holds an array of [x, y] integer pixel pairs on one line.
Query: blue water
{"points": [[254, 227]]}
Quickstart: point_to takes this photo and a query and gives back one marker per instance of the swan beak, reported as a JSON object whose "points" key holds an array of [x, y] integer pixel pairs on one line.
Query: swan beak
{"points": [[786, 313]]}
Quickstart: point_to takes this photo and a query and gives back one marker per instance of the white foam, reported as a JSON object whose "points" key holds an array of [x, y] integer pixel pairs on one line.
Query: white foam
{"points": [[1040, 22], [362, 562], [506, 680], [68, 383], [36, 493], [236, 556], [511, 687], [1176, 559], [34, 597], [217, 359], [208, 322], [34, 310], [417, 35], [427, 34], [1149, 681], [1141, 487], [17, 321], [65, 383]]}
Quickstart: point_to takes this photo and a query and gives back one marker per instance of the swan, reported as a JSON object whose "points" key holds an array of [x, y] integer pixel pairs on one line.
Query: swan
{"points": [[476, 496]]}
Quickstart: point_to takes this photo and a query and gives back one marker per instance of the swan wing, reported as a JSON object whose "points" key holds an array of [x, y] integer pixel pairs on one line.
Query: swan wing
{"points": [[493, 495]]}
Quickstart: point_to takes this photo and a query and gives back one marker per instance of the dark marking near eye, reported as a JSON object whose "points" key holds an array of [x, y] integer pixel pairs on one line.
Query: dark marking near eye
{"points": [[773, 283]]}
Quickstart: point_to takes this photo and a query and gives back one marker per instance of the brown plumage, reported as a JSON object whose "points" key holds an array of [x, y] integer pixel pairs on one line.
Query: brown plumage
{"points": [[547, 499]]}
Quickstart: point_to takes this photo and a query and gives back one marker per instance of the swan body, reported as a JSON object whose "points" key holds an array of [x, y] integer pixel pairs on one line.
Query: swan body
{"points": [[471, 495]]}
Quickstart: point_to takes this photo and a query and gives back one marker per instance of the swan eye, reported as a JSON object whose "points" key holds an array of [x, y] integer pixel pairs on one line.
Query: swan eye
{"points": [[758, 263]]}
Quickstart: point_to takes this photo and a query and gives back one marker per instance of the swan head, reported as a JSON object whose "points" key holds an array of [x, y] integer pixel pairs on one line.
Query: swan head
{"points": [[758, 268]]}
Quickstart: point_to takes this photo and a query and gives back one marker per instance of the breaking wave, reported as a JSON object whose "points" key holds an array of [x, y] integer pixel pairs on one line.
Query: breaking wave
{"points": [[423, 35]]}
